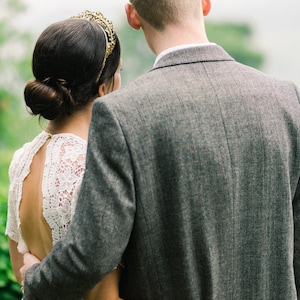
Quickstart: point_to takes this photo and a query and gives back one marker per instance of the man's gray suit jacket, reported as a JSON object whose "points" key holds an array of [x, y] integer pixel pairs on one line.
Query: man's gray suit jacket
{"points": [[191, 184]]}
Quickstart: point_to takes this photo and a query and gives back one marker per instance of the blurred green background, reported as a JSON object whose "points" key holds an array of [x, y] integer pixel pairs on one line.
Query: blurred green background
{"points": [[17, 126]]}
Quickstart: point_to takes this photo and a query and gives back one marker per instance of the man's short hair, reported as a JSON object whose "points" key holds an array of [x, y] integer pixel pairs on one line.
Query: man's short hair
{"points": [[159, 13]]}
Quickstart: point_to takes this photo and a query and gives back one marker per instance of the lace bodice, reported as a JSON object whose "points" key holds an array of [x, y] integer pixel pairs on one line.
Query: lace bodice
{"points": [[62, 177]]}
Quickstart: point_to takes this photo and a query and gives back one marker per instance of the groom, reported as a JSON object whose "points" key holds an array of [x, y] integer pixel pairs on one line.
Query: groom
{"points": [[191, 180]]}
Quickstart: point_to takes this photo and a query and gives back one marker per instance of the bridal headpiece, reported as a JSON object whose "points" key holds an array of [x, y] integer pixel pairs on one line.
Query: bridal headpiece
{"points": [[106, 26]]}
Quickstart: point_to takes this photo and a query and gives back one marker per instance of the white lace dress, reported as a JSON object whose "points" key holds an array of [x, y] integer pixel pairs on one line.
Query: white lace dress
{"points": [[62, 177]]}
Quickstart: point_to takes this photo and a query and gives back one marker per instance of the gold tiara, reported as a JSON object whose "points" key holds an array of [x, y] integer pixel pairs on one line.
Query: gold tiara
{"points": [[106, 26]]}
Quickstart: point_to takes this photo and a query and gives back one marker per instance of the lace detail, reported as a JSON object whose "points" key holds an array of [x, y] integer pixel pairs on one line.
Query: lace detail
{"points": [[63, 172]]}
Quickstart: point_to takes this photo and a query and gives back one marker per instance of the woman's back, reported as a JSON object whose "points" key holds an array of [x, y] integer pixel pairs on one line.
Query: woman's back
{"points": [[46, 176], [35, 230], [45, 179]]}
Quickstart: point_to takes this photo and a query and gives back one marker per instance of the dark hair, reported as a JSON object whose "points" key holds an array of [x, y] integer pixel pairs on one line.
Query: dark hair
{"points": [[66, 63], [111, 64]]}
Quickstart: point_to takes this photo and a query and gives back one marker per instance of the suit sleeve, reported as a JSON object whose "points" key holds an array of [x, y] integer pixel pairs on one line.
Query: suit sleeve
{"points": [[296, 213], [103, 220]]}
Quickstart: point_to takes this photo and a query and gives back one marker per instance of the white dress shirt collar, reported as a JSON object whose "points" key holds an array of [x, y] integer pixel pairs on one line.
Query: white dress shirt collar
{"points": [[169, 50]]}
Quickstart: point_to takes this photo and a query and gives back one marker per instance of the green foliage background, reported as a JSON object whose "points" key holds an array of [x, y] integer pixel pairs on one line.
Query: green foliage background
{"points": [[17, 126]]}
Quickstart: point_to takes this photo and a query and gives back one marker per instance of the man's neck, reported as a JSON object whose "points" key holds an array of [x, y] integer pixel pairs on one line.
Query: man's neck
{"points": [[175, 35]]}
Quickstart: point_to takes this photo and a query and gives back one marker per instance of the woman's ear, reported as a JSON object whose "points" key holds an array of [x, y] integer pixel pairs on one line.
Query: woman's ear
{"points": [[132, 16], [101, 90]]}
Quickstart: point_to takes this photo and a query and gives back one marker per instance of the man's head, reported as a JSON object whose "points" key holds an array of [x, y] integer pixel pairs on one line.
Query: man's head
{"points": [[169, 23], [160, 13]]}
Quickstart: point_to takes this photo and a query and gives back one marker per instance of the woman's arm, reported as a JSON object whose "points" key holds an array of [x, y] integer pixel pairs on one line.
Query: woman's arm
{"points": [[16, 259], [107, 288]]}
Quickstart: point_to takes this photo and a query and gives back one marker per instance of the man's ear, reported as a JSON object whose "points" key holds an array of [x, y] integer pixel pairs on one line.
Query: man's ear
{"points": [[101, 90], [206, 6], [132, 16]]}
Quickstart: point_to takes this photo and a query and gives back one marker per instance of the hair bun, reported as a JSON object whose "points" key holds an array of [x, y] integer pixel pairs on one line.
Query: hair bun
{"points": [[49, 98]]}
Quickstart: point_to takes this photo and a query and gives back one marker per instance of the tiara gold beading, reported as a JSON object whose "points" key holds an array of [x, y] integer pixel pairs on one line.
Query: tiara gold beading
{"points": [[105, 25], [108, 30]]}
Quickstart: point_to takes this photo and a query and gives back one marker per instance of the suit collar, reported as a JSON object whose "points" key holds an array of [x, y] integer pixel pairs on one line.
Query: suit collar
{"points": [[180, 47], [210, 52]]}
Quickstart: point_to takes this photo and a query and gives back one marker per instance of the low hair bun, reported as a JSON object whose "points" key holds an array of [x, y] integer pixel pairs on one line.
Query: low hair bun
{"points": [[48, 98]]}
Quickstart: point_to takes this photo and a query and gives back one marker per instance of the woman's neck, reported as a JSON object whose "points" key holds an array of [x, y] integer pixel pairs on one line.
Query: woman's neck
{"points": [[78, 123]]}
